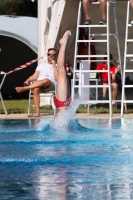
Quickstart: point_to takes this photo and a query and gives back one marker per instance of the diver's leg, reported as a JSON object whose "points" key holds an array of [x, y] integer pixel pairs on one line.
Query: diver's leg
{"points": [[61, 92]]}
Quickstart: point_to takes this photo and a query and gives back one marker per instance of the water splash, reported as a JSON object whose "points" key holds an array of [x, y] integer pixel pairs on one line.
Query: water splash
{"points": [[63, 119]]}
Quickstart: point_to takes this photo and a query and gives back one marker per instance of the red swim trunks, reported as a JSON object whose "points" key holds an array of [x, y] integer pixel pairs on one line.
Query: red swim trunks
{"points": [[59, 103]]}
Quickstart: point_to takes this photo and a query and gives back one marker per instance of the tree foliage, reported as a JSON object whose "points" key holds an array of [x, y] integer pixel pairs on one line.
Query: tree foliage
{"points": [[18, 7]]}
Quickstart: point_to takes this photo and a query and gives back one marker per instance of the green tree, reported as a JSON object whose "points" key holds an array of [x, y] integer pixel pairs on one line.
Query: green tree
{"points": [[18, 7]]}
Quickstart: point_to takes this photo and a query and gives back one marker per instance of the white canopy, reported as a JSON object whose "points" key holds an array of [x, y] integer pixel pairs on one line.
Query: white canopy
{"points": [[23, 29]]}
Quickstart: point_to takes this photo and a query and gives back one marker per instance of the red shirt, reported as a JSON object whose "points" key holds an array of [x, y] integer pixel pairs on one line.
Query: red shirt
{"points": [[104, 75]]}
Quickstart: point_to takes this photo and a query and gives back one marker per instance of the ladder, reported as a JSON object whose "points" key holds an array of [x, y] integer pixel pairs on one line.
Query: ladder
{"points": [[127, 58], [88, 57]]}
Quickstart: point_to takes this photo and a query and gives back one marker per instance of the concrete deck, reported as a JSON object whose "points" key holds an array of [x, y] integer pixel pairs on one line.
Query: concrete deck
{"points": [[81, 115]]}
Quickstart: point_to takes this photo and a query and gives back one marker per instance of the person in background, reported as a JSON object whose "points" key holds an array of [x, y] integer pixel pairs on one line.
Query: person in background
{"points": [[86, 8], [44, 79], [104, 78]]}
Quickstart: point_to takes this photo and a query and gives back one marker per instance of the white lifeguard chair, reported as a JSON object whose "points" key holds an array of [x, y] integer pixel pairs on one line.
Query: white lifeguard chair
{"points": [[46, 99], [88, 57]]}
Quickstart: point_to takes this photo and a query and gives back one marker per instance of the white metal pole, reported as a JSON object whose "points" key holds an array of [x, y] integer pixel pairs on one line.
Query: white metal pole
{"points": [[2, 101], [108, 53], [125, 54], [76, 51], [117, 36], [118, 47], [42, 8]]}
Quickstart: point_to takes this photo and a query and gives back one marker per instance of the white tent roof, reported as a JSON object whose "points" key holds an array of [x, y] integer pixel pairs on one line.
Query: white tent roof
{"points": [[23, 29]]}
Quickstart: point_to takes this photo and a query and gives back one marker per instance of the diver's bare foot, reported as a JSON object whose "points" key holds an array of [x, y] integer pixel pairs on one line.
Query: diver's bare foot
{"points": [[65, 37], [20, 89]]}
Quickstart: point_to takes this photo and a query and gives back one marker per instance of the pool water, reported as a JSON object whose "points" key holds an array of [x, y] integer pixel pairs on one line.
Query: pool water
{"points": [[90, 159]]}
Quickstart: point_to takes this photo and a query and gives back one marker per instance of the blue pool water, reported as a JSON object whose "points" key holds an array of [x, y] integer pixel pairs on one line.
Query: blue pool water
{"points": [[89, 159]]}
